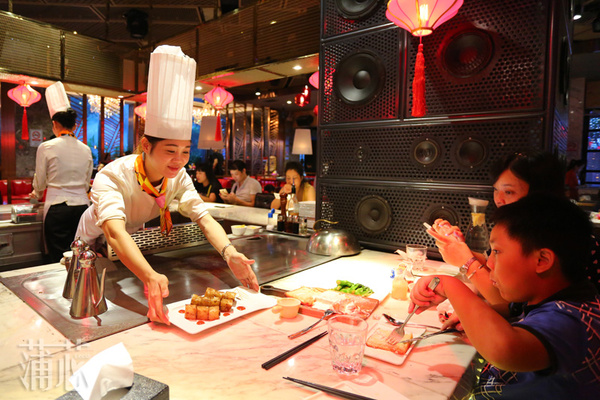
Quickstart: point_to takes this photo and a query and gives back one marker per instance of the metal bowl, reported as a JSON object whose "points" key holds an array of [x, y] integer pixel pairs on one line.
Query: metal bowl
{"points": [[333, 242]]}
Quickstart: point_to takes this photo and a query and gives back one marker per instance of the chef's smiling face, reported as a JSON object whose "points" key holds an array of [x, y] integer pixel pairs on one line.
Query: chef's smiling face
{"points": [[511, 270], [165, 158]]}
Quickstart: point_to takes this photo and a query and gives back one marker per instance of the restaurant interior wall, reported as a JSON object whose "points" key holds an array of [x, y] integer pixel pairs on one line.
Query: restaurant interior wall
{"points": [[493, 87]]}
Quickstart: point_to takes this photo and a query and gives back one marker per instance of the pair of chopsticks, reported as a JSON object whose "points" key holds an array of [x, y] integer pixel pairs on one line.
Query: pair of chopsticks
{"points": [[336, 392], [283, 356]]}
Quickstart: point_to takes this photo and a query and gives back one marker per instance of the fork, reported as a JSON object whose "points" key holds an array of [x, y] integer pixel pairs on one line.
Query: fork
{"points": [[398, 334], [326, 314]]}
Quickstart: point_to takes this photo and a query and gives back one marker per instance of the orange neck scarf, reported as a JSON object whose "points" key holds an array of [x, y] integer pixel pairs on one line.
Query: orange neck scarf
{"points": [[66, 132], [165, 216]]}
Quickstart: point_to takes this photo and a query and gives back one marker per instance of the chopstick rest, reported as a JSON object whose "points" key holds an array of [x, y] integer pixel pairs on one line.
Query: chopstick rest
{"points": [[283, 356], [336, 392]]}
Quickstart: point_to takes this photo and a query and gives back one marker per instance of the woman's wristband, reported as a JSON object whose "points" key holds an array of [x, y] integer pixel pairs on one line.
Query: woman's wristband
{"points": [[224, 249]]}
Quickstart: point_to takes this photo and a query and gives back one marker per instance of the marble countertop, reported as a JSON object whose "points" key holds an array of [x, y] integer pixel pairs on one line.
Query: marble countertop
{"points": [[225, 362]]}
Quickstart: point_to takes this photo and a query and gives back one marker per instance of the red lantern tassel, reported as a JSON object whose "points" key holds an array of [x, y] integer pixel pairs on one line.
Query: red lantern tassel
{"points": [[418, 106], [218, 137], [24, 127]]}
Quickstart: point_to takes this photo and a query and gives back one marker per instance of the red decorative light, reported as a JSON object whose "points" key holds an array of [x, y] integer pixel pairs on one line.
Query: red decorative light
{"points": [[141, 110], [24, 96], [218, 97], [314, 80], [420, 18], [316, 110], [303, 99]]}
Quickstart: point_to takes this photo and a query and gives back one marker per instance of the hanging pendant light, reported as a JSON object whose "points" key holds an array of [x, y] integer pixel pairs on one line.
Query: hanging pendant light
{"points": [[219, 98], [140, 110], [314, 80], [303, 99], [420, 18], [24, 96]]}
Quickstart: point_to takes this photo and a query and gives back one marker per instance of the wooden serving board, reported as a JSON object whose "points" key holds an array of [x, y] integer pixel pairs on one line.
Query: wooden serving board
{"points": [[366, 304]]}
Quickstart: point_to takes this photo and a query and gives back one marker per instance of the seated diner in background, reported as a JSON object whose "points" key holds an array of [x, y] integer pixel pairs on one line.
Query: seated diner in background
{"points": [[550, 349], [206, 184], [245, 187], [572, 179], [294, 175]]}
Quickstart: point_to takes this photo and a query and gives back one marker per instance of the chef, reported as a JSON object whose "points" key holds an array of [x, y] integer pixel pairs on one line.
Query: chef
{"points": [[135, 189], [63, 167]]}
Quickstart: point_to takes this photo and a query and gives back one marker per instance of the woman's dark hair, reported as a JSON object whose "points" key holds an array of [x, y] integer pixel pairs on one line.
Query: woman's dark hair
{"points": [[66, 118], [219, 167], [207, 169], [575, 163], [542, 171], [295, 166]]}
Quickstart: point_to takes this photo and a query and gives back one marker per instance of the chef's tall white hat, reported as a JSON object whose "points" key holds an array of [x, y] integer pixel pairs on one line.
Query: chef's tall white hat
{"points": [[56, 98], [170, 97]]}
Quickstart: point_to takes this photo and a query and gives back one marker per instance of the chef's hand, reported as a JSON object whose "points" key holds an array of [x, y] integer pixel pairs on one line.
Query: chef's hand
{"points": [[424, 297], [32, 195], [157, 287], [240, 265]]}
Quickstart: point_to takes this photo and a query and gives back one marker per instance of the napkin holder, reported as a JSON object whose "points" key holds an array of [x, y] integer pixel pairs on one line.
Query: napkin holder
{"points": [[143, 388]]}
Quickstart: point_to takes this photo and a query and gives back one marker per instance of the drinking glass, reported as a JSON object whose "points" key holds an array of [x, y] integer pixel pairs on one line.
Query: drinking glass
{"points": [[417, 253], [347, 337]]}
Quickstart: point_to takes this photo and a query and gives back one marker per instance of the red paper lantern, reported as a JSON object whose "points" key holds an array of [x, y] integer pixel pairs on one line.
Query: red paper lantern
{"points": [[420, 18], [314, 80], [24, 96], [219, 98], [141, 110]]}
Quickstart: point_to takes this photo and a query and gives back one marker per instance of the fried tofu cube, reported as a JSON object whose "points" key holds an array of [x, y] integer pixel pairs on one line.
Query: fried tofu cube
{"points": [[202, 313], [214, 301], [196, 300], [213, 313], [210, 292], [190, 311], [226, 305], [229, 295]]}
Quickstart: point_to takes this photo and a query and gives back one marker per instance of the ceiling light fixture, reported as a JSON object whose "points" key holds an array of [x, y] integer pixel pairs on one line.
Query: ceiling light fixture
{"points": [[297, 67], [257, 92]]}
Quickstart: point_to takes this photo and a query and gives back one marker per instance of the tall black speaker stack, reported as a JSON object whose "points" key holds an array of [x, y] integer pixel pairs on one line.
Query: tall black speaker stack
{"points": [[495, 85]]}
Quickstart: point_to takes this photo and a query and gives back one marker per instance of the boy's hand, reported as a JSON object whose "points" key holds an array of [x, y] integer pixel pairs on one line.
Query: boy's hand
{"points": [[422, 296]]}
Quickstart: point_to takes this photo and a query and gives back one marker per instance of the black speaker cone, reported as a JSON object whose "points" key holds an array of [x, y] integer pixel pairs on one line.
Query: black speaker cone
{"points": [[426, 152], [471, 152], [468, 53], [373, 214], [437, 211], [356, 9], [359, 78]]}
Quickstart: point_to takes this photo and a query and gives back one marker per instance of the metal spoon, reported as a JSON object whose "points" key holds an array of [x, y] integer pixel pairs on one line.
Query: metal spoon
{"points": [[326, 314]]}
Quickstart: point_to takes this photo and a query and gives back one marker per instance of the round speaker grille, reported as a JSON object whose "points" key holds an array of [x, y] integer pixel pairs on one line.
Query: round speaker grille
{"points": [[437, 211], [373, 214], [426, 152], [355, 9], [470, 152], [362, 153], [359, 78], [468, 53]]}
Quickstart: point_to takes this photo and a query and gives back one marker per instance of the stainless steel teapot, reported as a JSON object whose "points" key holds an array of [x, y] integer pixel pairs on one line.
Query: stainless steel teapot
{"points": [[88, 300]]}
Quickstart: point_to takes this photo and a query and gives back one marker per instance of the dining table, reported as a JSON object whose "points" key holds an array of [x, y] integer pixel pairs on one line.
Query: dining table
{"points": [[224, 361]]}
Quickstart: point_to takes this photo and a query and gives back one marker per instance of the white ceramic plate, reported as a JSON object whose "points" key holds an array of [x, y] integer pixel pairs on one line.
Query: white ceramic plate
{"points": [[247, 298], [388, 356]]}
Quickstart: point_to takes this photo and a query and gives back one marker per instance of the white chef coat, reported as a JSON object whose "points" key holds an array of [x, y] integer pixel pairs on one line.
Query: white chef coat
{"points": [[116, 194], [249, 187], [63, 165]]}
